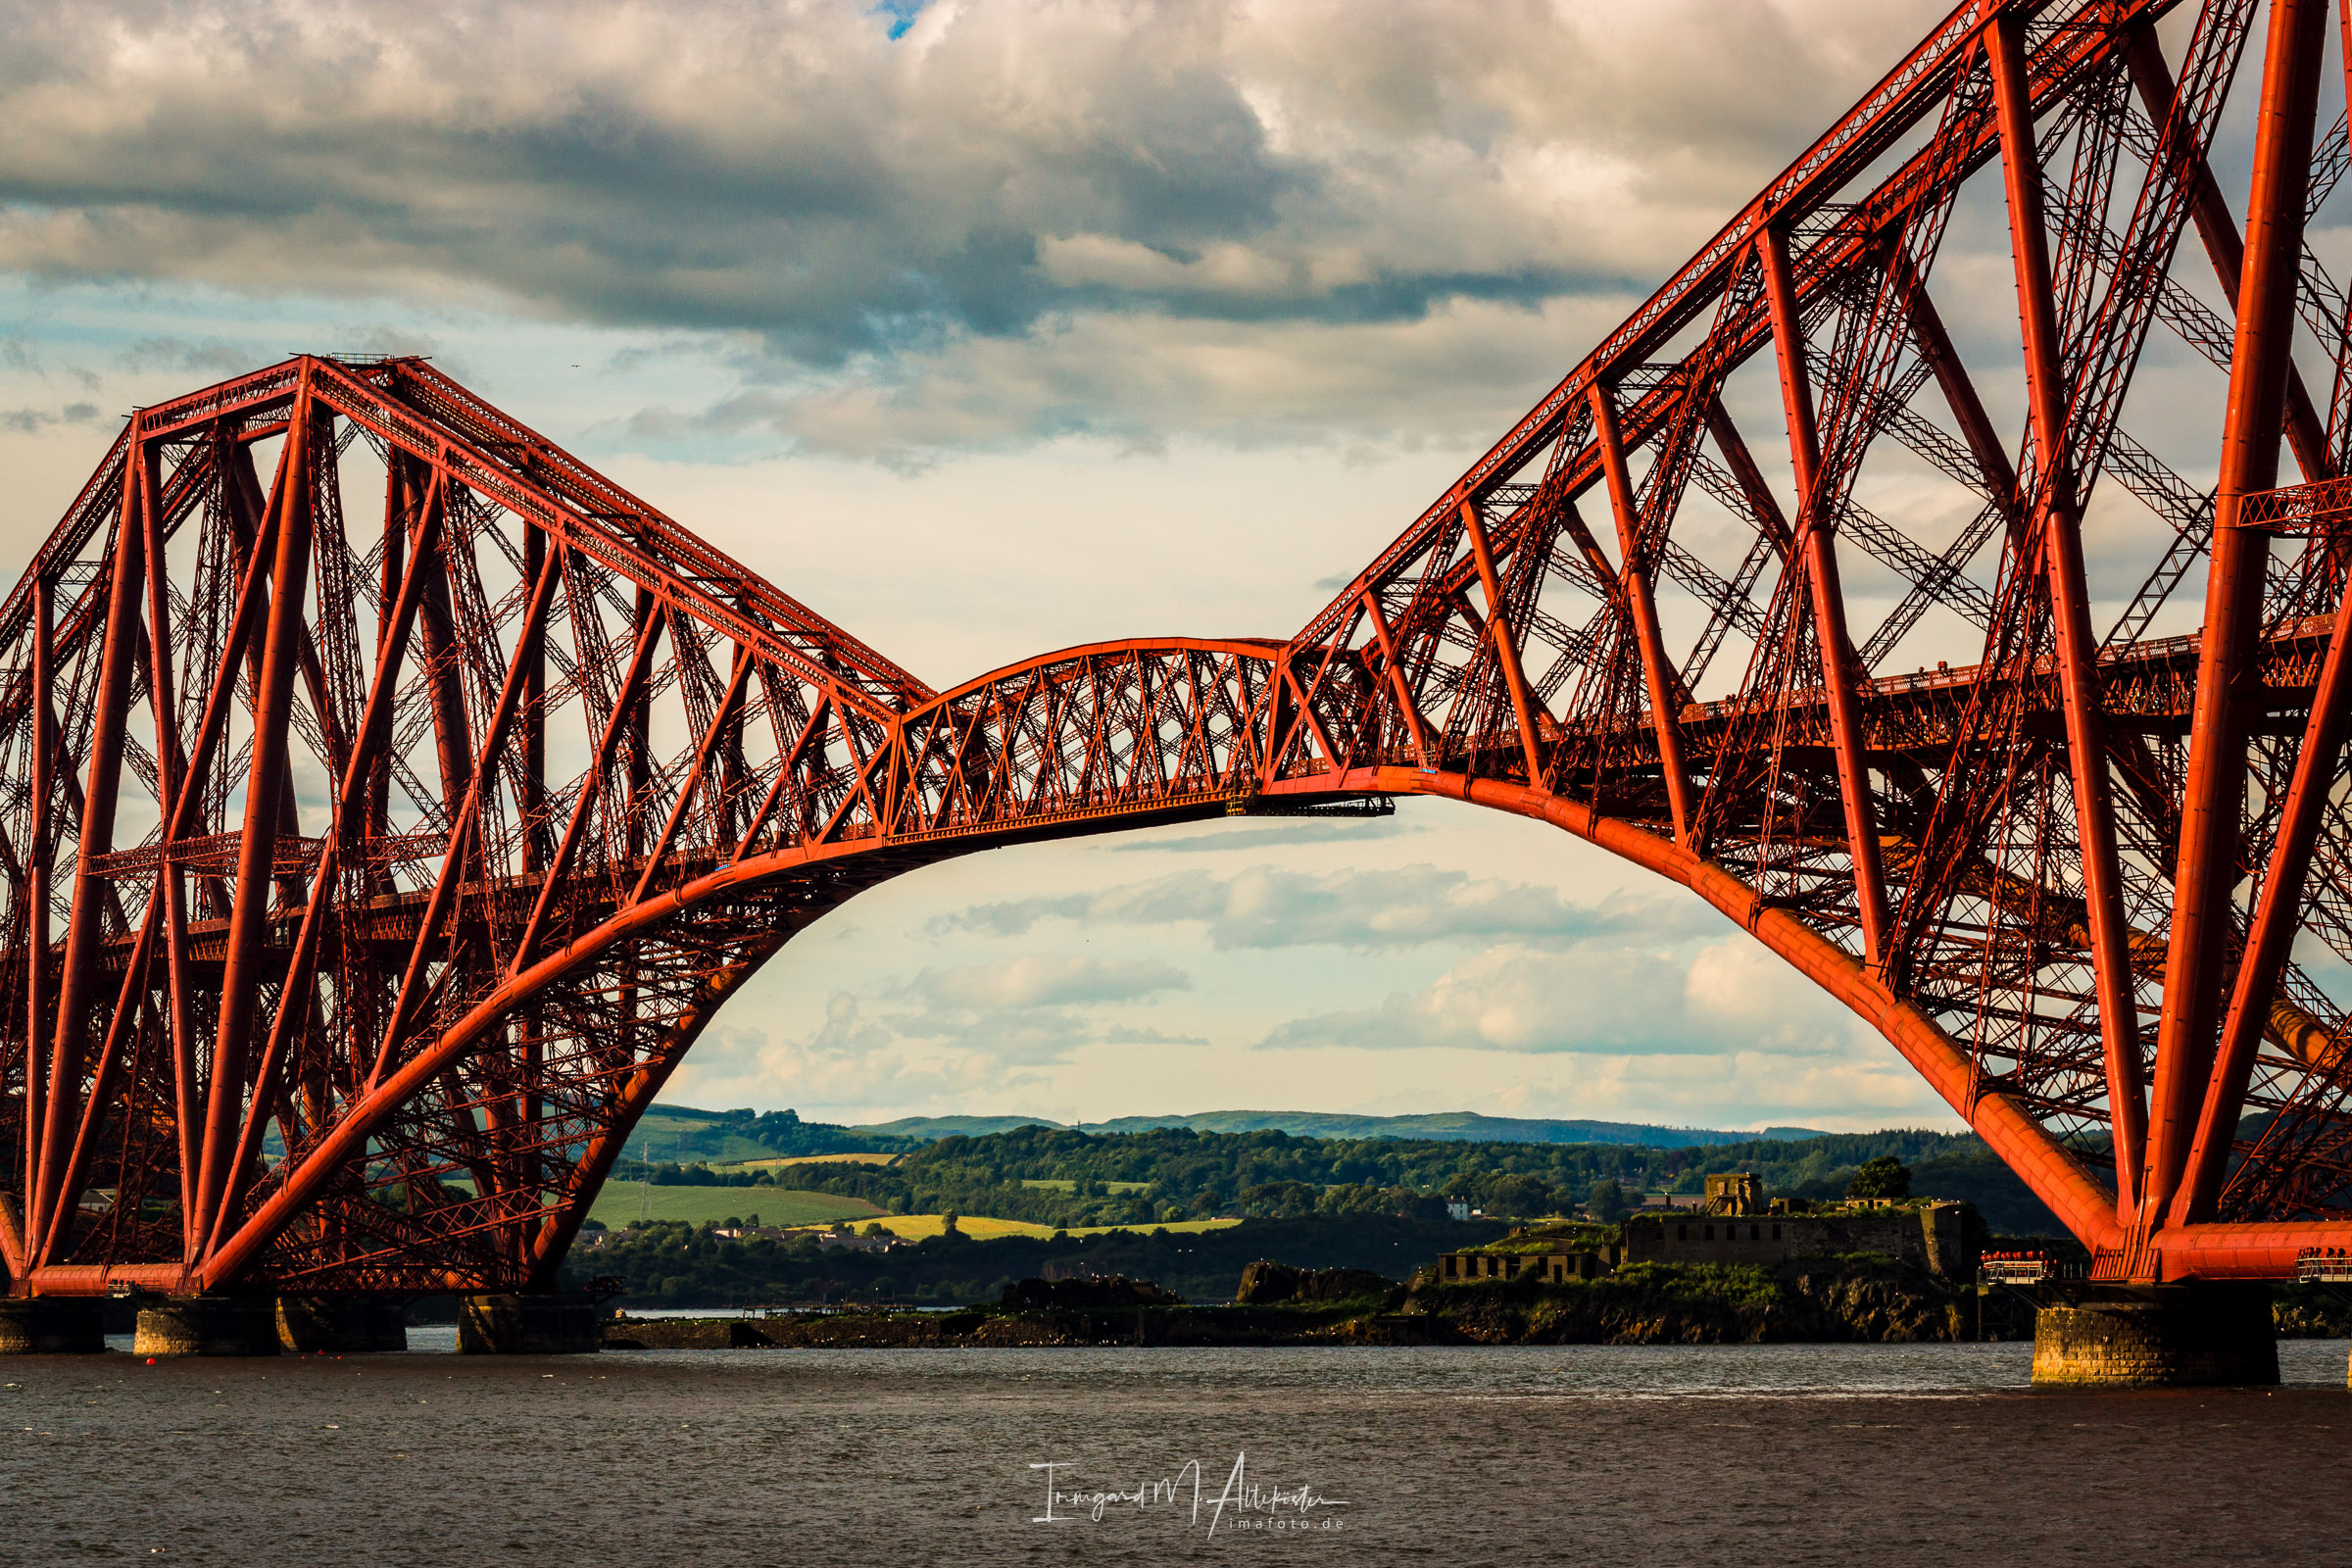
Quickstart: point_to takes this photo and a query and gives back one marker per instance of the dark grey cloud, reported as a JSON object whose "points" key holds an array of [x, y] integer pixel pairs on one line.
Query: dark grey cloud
{"points": [[31, 422], [835, 181], [210, 356]]}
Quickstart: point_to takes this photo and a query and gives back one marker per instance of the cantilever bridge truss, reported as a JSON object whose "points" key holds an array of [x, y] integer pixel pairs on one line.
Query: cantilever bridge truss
{"points": [[387, 801]]}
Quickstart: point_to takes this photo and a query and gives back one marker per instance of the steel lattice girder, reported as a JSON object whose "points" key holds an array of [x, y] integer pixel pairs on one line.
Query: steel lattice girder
{"points": [[584, 774]]}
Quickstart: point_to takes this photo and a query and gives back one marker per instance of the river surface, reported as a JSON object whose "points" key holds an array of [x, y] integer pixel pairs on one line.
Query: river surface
{"points": [[1864, 1455]]}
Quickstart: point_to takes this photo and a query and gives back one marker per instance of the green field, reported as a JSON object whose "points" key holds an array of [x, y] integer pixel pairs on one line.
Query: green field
{"points": [[1063, 1185], [622, 1202]]}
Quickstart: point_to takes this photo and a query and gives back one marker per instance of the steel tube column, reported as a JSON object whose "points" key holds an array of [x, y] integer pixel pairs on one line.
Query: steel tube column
{"points": [[1664, 716], [2275, 923], [1402, 689], [2217, 229], [2229, 686], [39, 855], [172, 776], [1507, 647], [1818, 550], [2059, 534], [257, 848], [85, 933]]}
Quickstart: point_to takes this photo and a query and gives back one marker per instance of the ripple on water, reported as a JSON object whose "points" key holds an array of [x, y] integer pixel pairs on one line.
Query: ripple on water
{"points": [[1641, 1454]]}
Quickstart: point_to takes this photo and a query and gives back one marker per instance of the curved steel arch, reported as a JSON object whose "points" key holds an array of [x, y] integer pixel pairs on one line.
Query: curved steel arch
{"points": [[366, 876]]}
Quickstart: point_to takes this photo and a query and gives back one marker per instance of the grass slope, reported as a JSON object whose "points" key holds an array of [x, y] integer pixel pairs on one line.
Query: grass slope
{"points": [[622, 1202], [679, 1134]]}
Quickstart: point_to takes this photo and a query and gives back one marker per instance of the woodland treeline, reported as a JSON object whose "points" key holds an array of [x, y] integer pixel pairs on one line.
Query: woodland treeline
{"points": [[1171, 1174]]}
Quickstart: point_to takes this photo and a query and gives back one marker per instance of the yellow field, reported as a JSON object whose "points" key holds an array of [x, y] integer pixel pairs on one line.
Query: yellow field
{"points": [[809, 1159], [980, 1228]]}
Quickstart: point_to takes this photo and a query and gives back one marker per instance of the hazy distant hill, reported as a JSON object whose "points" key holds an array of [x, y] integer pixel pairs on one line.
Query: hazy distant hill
{"points": [[1447, 1126]]}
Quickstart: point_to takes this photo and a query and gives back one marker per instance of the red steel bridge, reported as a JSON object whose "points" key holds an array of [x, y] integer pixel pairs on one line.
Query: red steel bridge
{"points": [[388, 801]]}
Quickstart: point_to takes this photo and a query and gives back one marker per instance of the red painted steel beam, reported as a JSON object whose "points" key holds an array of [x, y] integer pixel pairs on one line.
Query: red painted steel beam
{"points": [[1913, 90], [38, 854], [102, 1077], [641, 661], [654, 554], [2057, 531], [1961, 397], [2245, 1252], [2054, 1175], [2273, 933], [1743, 464], [1665, 702], [2227, 696], [1406, 707], [171, 888], [1506, 647], [1818, 552], [256, 847], [85, 932], [868, 778], [736, 682], [2225, 248], [556, 1234]]}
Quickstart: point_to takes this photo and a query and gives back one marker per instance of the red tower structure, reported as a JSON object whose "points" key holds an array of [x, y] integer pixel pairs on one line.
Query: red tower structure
{"points": [[367, 868]]}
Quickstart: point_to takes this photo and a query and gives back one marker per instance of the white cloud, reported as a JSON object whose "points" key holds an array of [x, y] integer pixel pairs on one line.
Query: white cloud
{"points": [[1046, 980], [1598, 998], [1403, 907]]}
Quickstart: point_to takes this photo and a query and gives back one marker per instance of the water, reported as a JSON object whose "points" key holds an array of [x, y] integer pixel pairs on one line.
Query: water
{"points": [[1864, 1455]]}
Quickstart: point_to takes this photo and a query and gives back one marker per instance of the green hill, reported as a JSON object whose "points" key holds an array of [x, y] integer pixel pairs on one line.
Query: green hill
{"points": [[684, 1135], [1448, 1126]]}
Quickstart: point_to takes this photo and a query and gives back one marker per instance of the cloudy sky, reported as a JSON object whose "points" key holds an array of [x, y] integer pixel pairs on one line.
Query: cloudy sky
{"points": [[989, 328]]}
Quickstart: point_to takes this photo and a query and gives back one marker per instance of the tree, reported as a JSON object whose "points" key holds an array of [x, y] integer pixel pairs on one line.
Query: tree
{"points": [[1608, 1203], [1882, 1177], [1521, 1197]]}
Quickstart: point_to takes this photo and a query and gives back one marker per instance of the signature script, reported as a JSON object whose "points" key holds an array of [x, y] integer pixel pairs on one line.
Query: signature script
{"points": [[1240, 1504]]}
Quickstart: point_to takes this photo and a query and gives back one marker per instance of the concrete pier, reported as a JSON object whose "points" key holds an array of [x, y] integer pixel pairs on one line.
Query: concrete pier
{"points": [[51, 1325], [2187, 1336], [527, 1325], [208, 1325], [310, 1325]]}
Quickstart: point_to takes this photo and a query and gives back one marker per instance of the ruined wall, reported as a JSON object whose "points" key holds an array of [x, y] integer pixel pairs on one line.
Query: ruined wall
{"points": [[1942, 1239]]}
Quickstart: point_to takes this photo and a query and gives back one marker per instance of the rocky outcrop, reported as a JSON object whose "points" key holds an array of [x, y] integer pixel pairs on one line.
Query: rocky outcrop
{"points": [[1826, 1301], [1817, 1301], [1877, 1308], [1266, 1282], [1087, 1295], [684, 1332]]}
